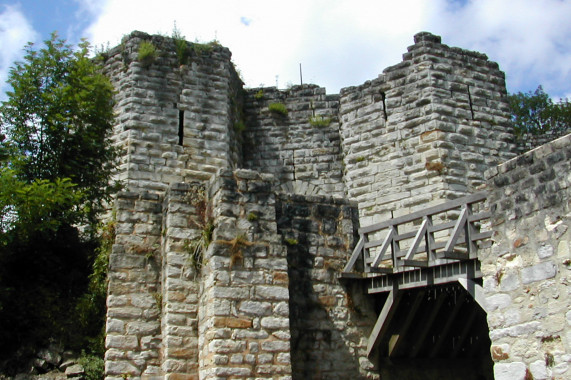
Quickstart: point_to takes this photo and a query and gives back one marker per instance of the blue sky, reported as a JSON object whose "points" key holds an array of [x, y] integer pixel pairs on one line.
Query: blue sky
{"points": [[339, 43]]}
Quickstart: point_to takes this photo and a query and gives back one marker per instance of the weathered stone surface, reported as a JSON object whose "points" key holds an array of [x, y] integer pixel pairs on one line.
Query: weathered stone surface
{"points": [[204, 161]]}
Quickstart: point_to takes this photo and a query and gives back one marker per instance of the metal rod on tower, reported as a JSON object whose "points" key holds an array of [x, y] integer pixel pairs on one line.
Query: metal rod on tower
{"points": [[300, 76]]}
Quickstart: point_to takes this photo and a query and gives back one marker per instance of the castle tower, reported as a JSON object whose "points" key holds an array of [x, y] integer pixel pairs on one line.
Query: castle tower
{"points": [[424, 131], [278, 195]]}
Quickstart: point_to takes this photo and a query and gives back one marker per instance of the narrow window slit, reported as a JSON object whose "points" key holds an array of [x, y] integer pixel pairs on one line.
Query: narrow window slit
{"points": [[383, 98], [470, 100], [180, 127]]}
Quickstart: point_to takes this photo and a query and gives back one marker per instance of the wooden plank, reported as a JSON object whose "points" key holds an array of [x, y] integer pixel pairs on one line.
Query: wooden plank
{"points": [[428, 324], [480, 216], [355, 255], [396, 344], [384, 319], [460, 222], [417, 239], [384, 247], [450, 205], [476, 291], [448, 325], [414, 263]]}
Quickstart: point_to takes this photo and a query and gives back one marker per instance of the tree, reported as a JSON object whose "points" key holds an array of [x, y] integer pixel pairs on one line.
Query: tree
{"points": [[57, 120], [56, 163], [535, 112]]}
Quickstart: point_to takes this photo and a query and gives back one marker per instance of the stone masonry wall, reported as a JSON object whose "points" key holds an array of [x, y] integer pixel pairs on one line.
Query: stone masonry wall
{"points": [[330, 320], [175, 121], [304, 158], [244, 314], [133, 330], [185, 215], [424, 131], [527, 271], [263, 300]]}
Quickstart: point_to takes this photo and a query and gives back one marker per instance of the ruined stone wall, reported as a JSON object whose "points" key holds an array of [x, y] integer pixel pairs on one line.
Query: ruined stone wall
{"points": [[329, 320], [301, 149], [263, 300], [133, 329], [175, 120], [526, 272], [424, 131], [244, 312]]}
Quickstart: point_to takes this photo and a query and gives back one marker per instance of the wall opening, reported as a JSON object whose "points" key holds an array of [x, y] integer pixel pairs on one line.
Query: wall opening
{"points": [[470, 100], [180, 127], [438, 332], [383, 98]]}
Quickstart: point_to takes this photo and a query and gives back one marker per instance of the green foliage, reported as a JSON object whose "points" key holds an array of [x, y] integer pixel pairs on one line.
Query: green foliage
{"points": [[181, 46], [196, 248], [147, 53], [259, 95], [57, 120], [252, 217], [319, 121], [278, 108], [38, 206], [535, 112], [94, 367], [55, 168], [203, 49]]}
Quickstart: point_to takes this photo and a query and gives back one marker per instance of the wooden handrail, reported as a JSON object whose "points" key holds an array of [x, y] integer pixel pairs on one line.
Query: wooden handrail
{"points": [[463, 232]]}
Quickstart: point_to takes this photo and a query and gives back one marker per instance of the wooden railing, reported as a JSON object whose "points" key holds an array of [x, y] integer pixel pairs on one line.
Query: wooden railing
{"points": [[439, 235]]}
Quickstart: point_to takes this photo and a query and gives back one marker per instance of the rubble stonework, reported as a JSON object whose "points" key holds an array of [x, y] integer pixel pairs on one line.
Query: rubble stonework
{"points": [[236, 220], [526, 272]]}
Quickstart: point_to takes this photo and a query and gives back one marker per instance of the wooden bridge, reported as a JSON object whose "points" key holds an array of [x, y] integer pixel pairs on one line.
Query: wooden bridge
{"points": [[420, 253]]}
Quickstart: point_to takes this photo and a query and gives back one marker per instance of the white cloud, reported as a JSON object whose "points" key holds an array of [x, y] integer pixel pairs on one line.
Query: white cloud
{"points": [[15, 32], [530, 39], [341, 43]]}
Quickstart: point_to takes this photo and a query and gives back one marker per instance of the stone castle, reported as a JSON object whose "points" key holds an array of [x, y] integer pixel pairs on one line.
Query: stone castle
{"points": [[242, 207]]}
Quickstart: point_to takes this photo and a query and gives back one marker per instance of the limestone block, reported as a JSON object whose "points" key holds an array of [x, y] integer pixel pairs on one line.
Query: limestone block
{"points": [[539, 272], [510, 371]]}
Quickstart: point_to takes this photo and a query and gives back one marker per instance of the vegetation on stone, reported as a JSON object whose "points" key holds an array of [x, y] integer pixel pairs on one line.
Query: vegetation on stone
{"points": [[147, 53], [278, 108]]}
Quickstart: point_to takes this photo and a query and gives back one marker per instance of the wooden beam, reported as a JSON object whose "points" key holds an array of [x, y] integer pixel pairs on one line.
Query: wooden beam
{"points": [[435, 309], [452, 204], [476, 291], [386, 243], [355, 255], [384, 319], [460, 222], [467, 327], [451, 318], [396, 343], [417, 239]]}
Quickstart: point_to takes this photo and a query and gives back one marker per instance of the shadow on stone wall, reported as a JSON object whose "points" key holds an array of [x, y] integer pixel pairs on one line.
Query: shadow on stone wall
{"points": [[329, 322]]}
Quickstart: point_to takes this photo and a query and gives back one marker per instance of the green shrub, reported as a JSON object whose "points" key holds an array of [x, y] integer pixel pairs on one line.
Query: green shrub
{"points": [[94, 367], [319, 121], [259, 95], [278, 108], [147, 53]]}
